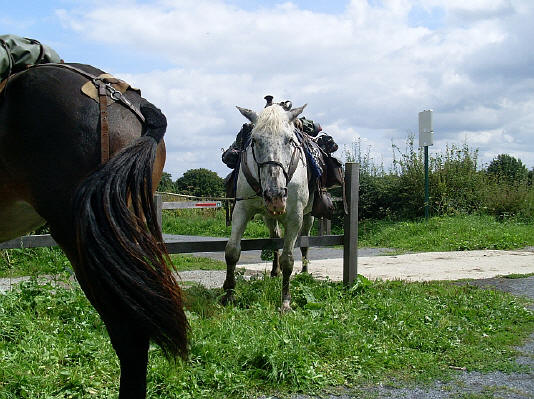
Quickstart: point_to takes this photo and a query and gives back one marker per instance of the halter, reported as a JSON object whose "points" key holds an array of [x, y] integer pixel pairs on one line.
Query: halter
{"points": [[255, 184]]}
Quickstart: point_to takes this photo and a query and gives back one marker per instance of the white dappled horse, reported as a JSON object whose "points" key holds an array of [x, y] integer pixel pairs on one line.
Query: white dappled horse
{"points": [[272, 181]]}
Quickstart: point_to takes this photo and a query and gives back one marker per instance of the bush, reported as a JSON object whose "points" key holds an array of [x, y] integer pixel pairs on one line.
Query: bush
{"points": [[457, 184], [201, 183], [507, 169]]}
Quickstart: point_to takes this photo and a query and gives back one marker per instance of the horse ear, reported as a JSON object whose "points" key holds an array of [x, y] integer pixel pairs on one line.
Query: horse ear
{"points": [[295, 112], [247, 113]]}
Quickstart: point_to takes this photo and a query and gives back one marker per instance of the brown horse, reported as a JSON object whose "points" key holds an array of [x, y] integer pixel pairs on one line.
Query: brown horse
{"points": [[101, 215]]}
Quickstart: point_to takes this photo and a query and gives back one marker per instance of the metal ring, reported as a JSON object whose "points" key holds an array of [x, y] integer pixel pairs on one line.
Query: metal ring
{"points": [[116, 95]]}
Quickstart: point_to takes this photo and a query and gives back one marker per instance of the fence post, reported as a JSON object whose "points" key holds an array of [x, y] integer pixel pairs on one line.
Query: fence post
{"points": [[158, 201], [325, 227], [350, 223]]}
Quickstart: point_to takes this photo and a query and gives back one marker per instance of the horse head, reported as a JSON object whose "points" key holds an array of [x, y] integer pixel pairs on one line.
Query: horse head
{"points": [[275, 149]]}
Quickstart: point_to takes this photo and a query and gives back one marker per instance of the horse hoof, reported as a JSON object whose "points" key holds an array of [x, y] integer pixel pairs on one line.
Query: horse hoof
{"points": [[275, 273], [228, 299], [304, 270], [286, 307]]}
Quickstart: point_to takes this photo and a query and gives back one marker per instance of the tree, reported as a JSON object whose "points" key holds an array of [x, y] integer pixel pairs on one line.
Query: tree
{"points": [[508, 169], [166, 184], [201, 183]]}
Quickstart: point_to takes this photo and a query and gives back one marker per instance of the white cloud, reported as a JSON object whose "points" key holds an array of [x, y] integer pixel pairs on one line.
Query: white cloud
{"points": [[365, 72]]}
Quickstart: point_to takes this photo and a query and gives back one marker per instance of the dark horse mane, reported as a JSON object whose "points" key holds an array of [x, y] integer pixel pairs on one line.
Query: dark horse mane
{"points": [[122, 247]]}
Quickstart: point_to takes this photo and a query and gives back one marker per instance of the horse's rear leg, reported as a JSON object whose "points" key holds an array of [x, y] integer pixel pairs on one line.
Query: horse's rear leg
{"points": [[307, 223], [131, 347], [240, 218]]}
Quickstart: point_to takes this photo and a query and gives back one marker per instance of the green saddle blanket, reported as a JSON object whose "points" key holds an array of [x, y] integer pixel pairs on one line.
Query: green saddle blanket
{"points": [[16, 53]]}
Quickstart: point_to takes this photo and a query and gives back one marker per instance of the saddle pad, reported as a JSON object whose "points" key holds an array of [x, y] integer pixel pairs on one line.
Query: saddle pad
{"points": [[90, 90]]}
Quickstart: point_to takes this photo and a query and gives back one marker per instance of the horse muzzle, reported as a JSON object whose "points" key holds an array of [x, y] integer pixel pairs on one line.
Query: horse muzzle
{"points": [[275, 202]]}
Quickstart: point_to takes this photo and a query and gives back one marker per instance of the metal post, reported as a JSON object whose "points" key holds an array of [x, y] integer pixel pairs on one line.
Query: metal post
{"points": [[350, 224], [426, 184]]}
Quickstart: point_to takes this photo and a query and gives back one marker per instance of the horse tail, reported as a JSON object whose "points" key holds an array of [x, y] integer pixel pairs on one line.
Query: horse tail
{"points": [[123, 264]]}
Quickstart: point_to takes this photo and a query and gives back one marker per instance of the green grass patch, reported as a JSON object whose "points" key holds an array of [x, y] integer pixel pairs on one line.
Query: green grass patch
{"points": [[207, 222], [53, 344], [189, 262], [39, 261], [447, 233], [33, 261]]}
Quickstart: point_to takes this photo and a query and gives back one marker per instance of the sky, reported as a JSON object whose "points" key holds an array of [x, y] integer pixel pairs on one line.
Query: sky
{"points": [[364, 67]]}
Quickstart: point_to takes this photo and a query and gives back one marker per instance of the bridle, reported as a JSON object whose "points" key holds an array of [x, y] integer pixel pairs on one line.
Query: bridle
{"points": [[288, 173]]}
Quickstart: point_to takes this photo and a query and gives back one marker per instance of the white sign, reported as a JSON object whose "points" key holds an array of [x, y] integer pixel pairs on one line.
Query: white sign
{"points": [[426, 131]]}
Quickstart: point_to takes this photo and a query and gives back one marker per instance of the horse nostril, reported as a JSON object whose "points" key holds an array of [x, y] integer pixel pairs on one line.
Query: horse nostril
{"points": [[267, 195]]}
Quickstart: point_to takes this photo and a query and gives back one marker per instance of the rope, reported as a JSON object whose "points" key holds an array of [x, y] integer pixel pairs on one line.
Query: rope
{"points": [[194, 197]]}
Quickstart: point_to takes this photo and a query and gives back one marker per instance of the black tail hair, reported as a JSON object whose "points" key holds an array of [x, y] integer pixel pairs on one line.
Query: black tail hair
{"points": [[124, 267]]}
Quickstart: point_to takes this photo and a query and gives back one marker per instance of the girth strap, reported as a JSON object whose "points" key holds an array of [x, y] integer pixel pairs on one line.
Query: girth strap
{"points": [[104, 125]]}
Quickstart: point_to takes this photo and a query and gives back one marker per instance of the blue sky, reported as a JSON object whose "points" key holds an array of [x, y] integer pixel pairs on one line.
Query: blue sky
{"points": [[365, 68]]}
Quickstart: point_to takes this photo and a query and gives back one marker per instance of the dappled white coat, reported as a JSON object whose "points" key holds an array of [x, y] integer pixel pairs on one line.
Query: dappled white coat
{"points": [[274, 140]]}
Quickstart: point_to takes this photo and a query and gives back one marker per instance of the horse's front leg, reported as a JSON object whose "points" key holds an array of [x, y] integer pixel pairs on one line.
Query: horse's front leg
{"points": [[307, 223], [274, 232], [240, 218], [292, 229]]}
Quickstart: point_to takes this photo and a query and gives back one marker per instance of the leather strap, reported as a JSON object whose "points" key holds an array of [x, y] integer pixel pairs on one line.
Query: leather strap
{"points": [[104, 124], [293, 164], [248, 175]]}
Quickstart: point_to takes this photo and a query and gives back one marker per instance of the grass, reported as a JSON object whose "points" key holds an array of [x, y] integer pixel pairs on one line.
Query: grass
{"points": [[208, 222], [445, 233], [53, 344], [451, 233], [448, 233], [39, 261]]}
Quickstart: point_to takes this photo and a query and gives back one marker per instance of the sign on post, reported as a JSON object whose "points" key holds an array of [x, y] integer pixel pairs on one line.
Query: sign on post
{"points": [[426, 131]]}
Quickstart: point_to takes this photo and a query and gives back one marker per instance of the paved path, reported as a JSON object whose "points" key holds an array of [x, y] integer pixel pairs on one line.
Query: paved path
{"points": [[424, 266], [410, 267]]}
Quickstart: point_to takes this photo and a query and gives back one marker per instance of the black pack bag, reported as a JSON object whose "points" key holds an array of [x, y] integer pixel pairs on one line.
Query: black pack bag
{"points": [[327, 143], [334, 172], [231, 157], [322, 207]]}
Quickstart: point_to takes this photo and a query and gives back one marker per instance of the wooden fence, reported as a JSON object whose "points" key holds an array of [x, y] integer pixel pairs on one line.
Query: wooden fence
{"points": [[349, 239]]}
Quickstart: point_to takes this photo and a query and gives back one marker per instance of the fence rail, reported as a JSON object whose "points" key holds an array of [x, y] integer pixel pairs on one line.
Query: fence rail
{"points": [[349, 239]]}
